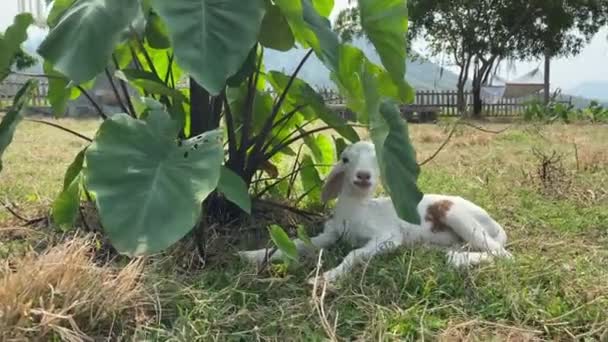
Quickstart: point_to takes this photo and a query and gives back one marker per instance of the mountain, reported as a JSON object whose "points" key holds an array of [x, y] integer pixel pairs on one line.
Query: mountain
{"points": [[596, 90], [421, 74]]}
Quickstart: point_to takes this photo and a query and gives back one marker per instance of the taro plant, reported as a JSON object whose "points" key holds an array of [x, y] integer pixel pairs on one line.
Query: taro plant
{"points": [[204, 120]]}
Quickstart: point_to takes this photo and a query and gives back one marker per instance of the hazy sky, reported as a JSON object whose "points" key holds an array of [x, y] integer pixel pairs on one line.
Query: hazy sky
{"points": [[590, 65]]}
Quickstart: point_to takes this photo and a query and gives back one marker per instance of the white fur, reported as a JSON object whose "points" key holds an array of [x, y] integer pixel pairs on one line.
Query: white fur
{"points": [[373, 226]]}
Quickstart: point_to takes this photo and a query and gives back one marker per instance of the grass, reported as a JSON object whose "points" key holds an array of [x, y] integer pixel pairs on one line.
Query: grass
{"points": [[556, 288]]}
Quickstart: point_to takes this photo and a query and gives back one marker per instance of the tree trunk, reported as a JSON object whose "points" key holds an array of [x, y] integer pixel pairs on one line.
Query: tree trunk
{"points": [[462, 80], [547, 77], [477, 104]]}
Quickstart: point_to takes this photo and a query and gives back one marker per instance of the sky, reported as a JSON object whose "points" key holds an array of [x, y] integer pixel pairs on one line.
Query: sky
{"points": [[566, 73]]}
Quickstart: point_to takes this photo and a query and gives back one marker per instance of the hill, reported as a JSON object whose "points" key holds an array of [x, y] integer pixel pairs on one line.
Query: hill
{"points": [[422, 74], [596, 90]]}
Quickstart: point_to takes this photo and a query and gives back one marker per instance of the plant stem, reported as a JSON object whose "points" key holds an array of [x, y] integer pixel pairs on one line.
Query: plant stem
{"points": [[123, 86], [116, 93], [257, 152], [230, 128], [84, 137], [287, 142]]}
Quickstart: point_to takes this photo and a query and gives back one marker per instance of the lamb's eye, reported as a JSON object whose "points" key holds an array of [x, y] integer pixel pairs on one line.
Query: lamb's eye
{"points": [[344, 160]]}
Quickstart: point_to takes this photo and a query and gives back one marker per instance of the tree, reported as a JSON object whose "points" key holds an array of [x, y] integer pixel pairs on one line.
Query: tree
{"points": [[479, 34], [148, 169]]}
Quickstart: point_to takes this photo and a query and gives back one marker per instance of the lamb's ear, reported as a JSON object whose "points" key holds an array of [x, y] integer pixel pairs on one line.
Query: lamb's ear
{"points": [[333, 183]]}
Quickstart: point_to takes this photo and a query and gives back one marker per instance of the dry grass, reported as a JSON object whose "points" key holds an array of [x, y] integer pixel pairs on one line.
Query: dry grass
{"points": [[62, 293], [555, 289]]}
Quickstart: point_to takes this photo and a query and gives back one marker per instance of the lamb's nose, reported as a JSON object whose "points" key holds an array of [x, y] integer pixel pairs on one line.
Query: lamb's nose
{"points": [[363, 175]]}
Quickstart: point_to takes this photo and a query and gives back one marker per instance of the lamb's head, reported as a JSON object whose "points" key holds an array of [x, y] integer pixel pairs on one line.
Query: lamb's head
{"points": [[356, 174]]}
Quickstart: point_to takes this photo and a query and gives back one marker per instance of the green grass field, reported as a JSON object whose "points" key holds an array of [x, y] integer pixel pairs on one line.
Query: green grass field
{"points": [[555, 211]]}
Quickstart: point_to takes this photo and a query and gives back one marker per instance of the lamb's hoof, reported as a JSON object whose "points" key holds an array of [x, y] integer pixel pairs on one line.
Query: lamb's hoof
{"points": [[322, 282]]}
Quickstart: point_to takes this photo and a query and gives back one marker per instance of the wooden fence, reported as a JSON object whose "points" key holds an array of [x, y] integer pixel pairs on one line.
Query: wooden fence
{"points": [[446, 103], [8, 90], [442, 102]]}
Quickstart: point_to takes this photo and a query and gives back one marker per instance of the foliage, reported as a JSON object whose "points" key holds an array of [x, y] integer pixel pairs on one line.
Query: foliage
{"points": [[149, 168], [282, 241], [14, 116], [537, 111], [484, 33], [10, 45], [487, 32], [594, 113], [154, 172]]}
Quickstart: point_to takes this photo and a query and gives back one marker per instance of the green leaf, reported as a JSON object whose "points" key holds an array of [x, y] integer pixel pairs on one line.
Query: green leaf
{"points": [[283, 243], [57, 11], [354, 67], [302, 94], [123, 55], [82, 42], [65, 207], [311, 29], [397, 160], [13, 117], [157, 33], [74, 169], [212, 38], [60, 90], [328, 45], [327, 152], [149, 188], [247, 69], [323, 7], [311, 181], [11, 40], [385, 24], [235, 189], [275, 32], [302, 235], [149, 82]]}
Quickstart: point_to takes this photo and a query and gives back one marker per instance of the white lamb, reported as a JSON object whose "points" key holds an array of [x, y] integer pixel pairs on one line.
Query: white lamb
{"points": [[465, 230]]}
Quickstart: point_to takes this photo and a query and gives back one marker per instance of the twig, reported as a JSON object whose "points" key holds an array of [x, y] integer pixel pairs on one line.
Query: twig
{"points": [[14, 213], [19, 216], [447, 140], [444, 144], [485, 130], [61, 128], [319, 302]]}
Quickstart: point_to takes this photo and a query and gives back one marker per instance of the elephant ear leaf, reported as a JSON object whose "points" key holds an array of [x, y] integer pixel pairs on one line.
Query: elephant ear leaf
{"points": [[148, 187]]}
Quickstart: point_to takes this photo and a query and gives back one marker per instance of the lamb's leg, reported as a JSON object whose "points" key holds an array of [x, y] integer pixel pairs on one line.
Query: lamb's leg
{"points": [[472, 232], [323, 240], [359, 255]]}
